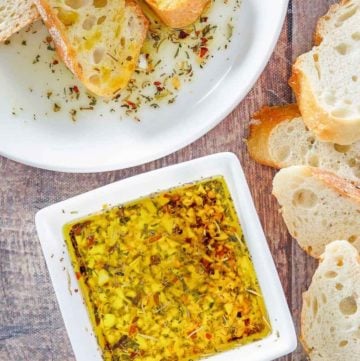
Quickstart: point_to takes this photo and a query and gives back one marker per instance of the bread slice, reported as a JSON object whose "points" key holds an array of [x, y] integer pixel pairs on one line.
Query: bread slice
{"points": [[178, 13], [334, 18], [99, 41], [318, 207], [326, 80], [279, 138], [14, 15], [330, 317]]}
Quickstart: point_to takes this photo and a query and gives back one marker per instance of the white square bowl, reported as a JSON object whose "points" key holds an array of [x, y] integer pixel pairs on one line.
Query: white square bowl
{"points": [[50, 221]]}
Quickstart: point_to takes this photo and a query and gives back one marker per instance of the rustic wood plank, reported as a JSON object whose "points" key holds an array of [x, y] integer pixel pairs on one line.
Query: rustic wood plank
{"points": [[31, 327]]}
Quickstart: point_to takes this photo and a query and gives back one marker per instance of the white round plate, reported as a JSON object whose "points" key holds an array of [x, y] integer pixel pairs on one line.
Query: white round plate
{"points": [[100, 140]]}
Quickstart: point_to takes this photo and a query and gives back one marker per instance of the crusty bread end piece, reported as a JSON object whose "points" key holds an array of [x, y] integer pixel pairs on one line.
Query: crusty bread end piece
{"points": [[330, 317], [262, 125], [99, 41], [279, 138], [326, 80], [178, 13], [15, 15], [318, 207]]}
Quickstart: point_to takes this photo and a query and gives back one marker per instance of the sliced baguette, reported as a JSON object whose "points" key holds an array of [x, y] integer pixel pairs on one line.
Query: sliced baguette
{"points": [[279, 138], [330, 317], [334, 18], [178, 13], [15, 15], [326, 80], [99, 41], [318, 207]]}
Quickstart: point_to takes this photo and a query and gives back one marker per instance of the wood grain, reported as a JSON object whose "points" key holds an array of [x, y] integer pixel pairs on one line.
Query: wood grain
{"points": [[31, 327]]}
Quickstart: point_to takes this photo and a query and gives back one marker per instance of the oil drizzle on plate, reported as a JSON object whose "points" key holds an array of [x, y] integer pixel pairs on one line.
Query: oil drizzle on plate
{"points": [[171, 58]]}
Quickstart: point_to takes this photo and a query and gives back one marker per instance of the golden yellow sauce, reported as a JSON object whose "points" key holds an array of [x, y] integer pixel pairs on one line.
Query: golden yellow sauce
{"points": [[168, 277]]}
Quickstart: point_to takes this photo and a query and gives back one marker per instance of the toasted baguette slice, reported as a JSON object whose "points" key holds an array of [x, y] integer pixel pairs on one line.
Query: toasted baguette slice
{"points": [[330, 317], [178, 13], [15, 15], [279, 138], [326, 80], [318, 207], [99, 41]]}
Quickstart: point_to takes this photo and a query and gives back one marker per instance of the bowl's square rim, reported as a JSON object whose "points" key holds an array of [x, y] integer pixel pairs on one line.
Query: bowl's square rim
{"points": [[50, 220]]}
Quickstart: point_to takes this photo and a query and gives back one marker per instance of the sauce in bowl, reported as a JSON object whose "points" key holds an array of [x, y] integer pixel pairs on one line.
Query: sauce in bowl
{"points": [[169, 276]]}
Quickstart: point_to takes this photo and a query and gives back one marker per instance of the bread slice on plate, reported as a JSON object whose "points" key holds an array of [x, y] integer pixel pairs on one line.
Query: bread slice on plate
{"points": [[279, 138], [15, 15], [318, 207], [326, 80], [330, 317], [99, 41], [178, 13]]}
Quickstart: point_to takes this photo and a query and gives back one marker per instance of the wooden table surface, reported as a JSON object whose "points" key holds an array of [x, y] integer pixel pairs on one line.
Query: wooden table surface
{"points": [[31, 327]]}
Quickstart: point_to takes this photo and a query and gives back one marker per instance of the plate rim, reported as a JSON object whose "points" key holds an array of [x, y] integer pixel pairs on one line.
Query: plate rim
{"points": [[185, 141]]}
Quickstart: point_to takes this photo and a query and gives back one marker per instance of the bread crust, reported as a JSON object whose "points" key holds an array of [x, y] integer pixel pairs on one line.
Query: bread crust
{"points": [[32, 16], [261, 126], [306, 297], [63, 47], [350, 191], [180, 14], [66, 51], [307, 349], [325, 126], [342, 186], [320, 31]]}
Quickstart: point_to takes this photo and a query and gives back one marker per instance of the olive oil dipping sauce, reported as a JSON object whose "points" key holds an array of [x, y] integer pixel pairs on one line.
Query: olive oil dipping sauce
{"points": [[169, 276]]}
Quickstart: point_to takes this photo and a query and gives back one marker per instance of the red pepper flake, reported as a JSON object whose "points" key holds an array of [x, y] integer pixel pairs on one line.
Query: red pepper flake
{"points": [[91, 241], [156, 298], [78, 228], [55, 62], [133, 329], [158, 86], [183, 34], [208, 336], [131, 104], [154, 238], [78, 275], [75, 89], [187, 240], [133, 355], [203, 51], [204, 41], [137, 353], [207, 266], [175, 197], [221, 250], [203, 19]]}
